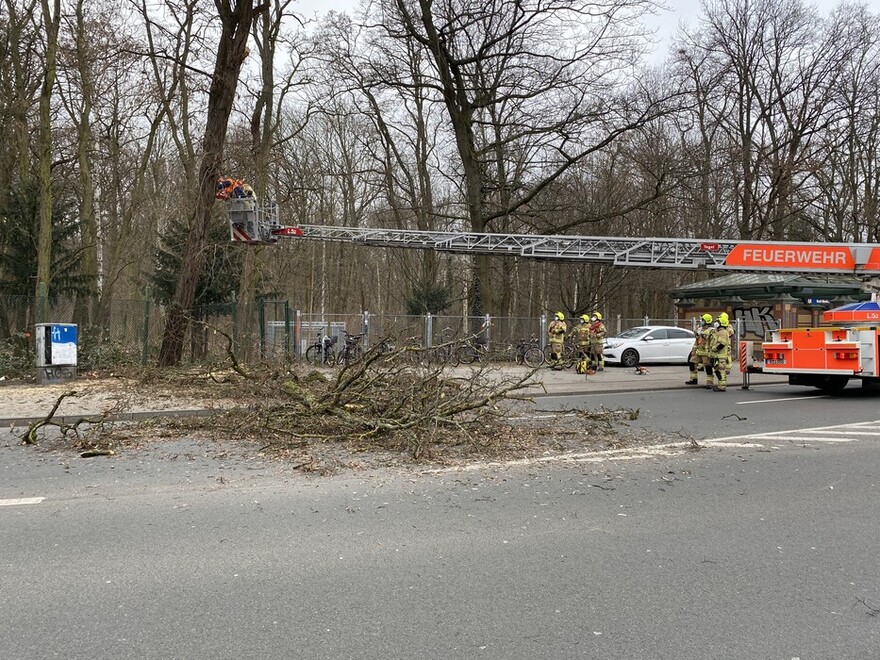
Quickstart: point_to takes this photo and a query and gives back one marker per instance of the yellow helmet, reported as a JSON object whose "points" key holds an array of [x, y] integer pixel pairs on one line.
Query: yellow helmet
{"points": [[560, 316], [707, 318], [724, 319], [585, 318], [598, 315]]}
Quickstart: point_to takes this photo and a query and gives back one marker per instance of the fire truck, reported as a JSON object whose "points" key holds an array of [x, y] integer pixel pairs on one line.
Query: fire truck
{"points": [[826, 357]]}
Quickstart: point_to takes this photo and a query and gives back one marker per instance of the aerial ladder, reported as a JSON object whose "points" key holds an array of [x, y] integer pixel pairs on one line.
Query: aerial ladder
{"points": [[823, 357]]}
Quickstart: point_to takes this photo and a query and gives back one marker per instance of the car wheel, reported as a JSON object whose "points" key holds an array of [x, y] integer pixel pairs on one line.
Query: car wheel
{"points": [[629, 358]]}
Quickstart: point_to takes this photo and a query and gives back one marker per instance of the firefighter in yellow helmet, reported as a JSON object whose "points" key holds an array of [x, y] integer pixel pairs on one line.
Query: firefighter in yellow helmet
{"points": [[556, 339], [582, 336], [698, 360], [597, 342], [719, 351]]}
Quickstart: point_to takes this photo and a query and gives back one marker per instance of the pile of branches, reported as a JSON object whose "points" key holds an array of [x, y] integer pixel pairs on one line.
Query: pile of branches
{"points": [[384, 399]]}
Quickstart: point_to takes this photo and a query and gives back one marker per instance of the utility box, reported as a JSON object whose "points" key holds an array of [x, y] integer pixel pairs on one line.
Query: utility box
{"points": [[56, 352]]}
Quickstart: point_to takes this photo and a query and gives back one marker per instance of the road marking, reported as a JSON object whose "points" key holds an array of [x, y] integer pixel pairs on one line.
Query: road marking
{"points": [[838, 433], [853, 428], [794, 398], [808, 440], [22, 500], [848, 431], [802, 437]]}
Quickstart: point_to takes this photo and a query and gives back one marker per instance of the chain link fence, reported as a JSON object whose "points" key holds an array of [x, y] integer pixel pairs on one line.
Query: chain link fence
{"points": [[120, 333]]}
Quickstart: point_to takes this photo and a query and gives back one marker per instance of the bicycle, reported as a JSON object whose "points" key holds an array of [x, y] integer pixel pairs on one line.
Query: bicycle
{"points": [[352, 351], [321, 352], [569, 354], [529, 353], [472, 351]]}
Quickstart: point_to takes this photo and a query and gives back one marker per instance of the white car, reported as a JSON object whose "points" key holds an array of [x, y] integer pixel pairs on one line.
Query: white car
{"points": [[649, 343]]}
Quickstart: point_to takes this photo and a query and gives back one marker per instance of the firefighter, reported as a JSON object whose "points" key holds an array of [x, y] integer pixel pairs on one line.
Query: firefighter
{"points": [[582, 337], [224, 188], [719, 351], [698, 360], [556, 333], [597, 342]]}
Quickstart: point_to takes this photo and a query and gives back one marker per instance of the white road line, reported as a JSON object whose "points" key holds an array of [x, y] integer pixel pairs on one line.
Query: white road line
{"points": [[22, 500], [848, 431], [809, 440], [794, 398], [776, 434]]}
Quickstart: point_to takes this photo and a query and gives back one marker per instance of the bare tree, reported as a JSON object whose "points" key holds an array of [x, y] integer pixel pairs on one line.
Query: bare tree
{"points": [[20, 79], [51, 16], [776, 64], [527, 88], [235, 22], [848, 173], [369, 70]]}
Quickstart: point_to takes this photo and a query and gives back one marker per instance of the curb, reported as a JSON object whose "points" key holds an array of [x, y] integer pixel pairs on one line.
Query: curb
{"points": [[10, 422]]}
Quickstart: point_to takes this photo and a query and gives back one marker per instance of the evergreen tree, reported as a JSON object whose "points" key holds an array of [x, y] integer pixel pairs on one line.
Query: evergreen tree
{"points": [[19, 222]]}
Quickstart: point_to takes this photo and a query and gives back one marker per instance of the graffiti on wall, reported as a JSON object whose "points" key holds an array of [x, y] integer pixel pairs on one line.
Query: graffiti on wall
{"points": [[756, 321]]}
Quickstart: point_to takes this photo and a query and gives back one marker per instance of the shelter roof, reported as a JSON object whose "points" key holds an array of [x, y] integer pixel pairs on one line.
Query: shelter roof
{"points": [[751, 286]]}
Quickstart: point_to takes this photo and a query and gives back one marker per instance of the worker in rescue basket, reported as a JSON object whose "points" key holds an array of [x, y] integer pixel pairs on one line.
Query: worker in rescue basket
{"points": [[597, 342], [582, 336], [698, 360], [719, 351], [556, 334]]}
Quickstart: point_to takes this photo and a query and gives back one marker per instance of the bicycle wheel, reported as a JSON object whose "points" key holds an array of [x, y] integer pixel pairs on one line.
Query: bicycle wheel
{"points": [[533, 357], [466, 354], [349, 355], [313, 355]]}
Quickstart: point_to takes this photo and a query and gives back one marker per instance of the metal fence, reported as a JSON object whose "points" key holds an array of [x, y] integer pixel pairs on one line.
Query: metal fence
{"points": [[292, 336], [129, 332]]}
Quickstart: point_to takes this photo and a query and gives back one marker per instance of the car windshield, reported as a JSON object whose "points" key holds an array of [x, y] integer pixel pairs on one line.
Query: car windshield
{"points": [[633, 333]]}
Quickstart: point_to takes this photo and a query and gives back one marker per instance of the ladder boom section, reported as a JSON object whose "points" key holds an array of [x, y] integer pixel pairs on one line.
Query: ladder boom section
{"points": [[651, 252], [862, 259]]}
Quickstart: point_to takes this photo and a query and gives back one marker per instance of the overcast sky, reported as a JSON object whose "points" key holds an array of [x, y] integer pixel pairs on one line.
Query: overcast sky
{"points": [[667, 23]]}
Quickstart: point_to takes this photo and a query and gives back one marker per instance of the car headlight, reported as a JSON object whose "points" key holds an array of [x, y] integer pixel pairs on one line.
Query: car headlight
{"points": [[613, 344]]}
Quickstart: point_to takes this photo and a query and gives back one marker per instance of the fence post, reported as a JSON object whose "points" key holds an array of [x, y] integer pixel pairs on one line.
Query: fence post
{"points": [[429, 331], [543, 337], [365, 329], [287, 330], [262, 329], [647, 320], [297, 333], [145, 351], [234, 323], [487, 323], [619, 325]]}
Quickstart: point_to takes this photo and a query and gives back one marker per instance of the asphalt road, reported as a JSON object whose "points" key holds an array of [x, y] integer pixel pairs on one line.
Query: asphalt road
{"points": [[758, 547], [704, 414]]}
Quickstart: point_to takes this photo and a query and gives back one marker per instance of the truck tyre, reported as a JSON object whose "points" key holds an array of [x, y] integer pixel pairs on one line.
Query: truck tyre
{"points": [[832, 384]]}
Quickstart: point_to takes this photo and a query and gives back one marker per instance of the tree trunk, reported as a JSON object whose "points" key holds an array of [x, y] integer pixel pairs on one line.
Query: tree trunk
{"points": [[86, 304], [231, 51], [44, 241]]}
